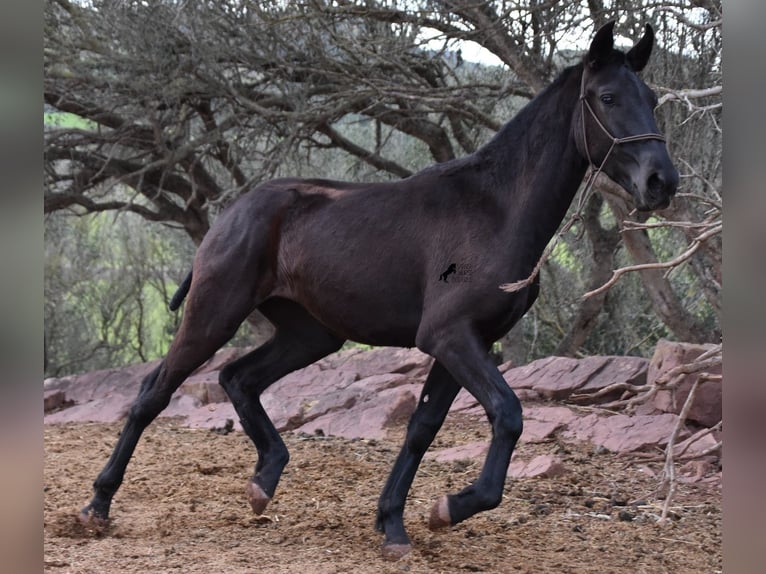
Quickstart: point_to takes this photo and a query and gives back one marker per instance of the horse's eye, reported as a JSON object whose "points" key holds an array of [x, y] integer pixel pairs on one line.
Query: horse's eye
{"points": [[607, 99]]}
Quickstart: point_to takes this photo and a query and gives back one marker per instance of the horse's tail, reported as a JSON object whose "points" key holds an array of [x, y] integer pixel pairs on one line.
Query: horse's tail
{"points": [[180, 294]]}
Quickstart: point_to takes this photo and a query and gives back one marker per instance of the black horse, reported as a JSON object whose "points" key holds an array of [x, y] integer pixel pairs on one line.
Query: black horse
{"points": [[328, 261]]}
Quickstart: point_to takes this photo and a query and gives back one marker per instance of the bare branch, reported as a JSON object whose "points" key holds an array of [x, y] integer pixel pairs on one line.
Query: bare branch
{"points": [[713, 230]]}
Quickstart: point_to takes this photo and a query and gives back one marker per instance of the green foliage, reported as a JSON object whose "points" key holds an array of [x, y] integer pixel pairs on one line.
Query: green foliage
{"points": [[108, 280], [64, 120]]}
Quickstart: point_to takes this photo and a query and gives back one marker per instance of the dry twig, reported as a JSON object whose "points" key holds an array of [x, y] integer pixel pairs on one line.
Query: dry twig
{"points": [[712, 230], [669, 472]]}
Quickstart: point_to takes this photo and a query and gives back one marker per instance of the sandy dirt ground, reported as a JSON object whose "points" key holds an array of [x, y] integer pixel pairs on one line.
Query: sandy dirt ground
{"points": [[182, 508]]}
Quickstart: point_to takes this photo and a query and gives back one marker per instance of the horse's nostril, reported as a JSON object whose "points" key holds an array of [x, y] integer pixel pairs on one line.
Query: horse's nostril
{"points": [[656, 183]]}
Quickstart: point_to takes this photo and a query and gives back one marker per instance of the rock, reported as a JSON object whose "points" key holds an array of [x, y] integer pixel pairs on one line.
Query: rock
{"points": [[556, 378], [205, 388], [105, 410], [540, 422], [54, 399], [696, 470], [464, 402], [503, 367], [363, 394], [630, 370], [114, 383], [469, 451], [545, 466], [288, 401], [378, 361], [212, 416], [550, 377], [369, 418], [707, 406], [623, 433], [697, 444], [339, 404]]}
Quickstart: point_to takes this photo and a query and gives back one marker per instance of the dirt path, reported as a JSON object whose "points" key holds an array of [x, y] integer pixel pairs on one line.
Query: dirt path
{"points": [[182, 508]]}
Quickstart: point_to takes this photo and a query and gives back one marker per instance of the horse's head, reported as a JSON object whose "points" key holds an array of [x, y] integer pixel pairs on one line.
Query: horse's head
{"points": [[615, 128]]}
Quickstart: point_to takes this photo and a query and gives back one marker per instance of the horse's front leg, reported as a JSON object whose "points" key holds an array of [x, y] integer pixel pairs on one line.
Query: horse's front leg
{"points": [[470, 365], [436, 397]]}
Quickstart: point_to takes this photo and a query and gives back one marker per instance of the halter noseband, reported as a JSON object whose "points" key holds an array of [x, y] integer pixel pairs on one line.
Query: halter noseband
{"points": [[615, 141]]}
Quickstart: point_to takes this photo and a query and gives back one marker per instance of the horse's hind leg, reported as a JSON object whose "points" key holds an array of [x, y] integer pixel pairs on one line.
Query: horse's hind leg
{"points": [[203, 331], [299, 341]]}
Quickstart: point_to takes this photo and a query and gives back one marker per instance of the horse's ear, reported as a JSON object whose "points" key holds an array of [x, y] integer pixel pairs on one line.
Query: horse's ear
{"points": [[602, 45], [639, 54]]}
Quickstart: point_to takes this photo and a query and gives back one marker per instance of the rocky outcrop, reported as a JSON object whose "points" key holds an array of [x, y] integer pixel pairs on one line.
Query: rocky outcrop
{"points": [[706, 409], [365, 393]]}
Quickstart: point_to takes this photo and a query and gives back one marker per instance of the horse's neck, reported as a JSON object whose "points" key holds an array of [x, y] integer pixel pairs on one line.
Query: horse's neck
{"points": [[536, 167]]}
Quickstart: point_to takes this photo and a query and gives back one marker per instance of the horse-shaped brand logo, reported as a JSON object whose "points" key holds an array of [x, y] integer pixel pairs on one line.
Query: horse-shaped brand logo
{"points": [[449, 271]]}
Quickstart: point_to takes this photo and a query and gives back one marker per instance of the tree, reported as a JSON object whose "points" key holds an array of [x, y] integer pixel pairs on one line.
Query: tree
{"points": [[182, 106]]}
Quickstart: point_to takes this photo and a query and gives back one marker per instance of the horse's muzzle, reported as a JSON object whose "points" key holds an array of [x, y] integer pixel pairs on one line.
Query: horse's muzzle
{"points": [[659, 188]]}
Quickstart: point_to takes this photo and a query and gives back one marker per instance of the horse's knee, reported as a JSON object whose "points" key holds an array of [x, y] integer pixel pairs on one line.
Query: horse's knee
{"points": [[232, 380], [148, 406], [152, 399], [507, 420]]}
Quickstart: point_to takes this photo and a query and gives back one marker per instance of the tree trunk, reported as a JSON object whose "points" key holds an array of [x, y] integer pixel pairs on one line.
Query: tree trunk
{"points": [[665, 302], [603, 242]]}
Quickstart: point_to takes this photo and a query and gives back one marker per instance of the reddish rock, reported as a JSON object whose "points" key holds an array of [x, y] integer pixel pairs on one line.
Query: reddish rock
{"points": [[623, 433], [288, 400], [707, 406], [469, 451], [105, 410], [556, 414], [123, 382], [544, 375], [556, 378], [630, 370], [697, 444], [212, 416], [541, 422], [464, 401], [538, 431], [379, 361], [544, 466], [466, 404], [696, 470], [205, 388], [99, 396], [53, 399], [527, 395], [181, 405], [353, 394], [503, 367], [370, 418]]}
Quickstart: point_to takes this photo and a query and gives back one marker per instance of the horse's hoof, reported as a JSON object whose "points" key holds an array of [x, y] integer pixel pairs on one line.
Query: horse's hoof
{"points": [[440, 517], [257, 498], [394, 552], [93, 523]]}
